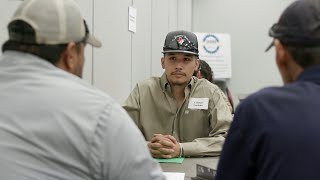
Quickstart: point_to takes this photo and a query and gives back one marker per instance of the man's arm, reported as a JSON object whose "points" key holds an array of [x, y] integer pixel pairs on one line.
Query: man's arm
{"points": [[132, 106], [120, 151], [227, 101]]}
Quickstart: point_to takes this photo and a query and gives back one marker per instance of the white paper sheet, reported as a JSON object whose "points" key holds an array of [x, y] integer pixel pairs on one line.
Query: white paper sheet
{"points": [[174, 175], [132, 19]]}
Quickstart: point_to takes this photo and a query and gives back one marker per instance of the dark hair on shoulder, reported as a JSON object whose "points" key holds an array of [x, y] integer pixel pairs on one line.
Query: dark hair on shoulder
{"points": [[305, 56], [205, 70], [22, 38]]}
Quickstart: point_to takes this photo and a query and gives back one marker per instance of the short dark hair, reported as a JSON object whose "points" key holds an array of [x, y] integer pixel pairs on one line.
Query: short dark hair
{"points": [[305, 56], [27, 43], [205, 70]]}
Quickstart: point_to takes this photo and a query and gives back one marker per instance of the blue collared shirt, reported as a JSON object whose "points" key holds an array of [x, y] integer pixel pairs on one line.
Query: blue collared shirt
{"points": [[275, 133]]}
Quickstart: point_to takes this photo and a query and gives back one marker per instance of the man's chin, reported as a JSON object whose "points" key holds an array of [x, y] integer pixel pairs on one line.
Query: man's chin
{"points": [[178, 83]]}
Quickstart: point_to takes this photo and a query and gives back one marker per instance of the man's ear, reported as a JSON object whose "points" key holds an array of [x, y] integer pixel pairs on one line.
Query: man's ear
{"points": [[286, 65], [71, 55], [68, 58], [197, 64], [162, 63], [281, 55]]}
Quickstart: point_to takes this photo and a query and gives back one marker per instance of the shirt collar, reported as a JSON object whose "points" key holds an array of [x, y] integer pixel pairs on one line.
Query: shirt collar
{"points": [[310, 74]]}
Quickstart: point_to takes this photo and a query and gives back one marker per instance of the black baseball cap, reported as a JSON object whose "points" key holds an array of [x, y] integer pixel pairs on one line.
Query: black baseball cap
{"points": [[299, 25], [181, 41]]}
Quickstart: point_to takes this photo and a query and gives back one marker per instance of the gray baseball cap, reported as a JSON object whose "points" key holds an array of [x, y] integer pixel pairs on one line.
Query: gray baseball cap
{"points": [[54, 22]]}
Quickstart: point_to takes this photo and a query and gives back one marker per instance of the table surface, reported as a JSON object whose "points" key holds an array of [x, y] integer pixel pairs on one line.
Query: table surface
{"points": [[188, 166]]}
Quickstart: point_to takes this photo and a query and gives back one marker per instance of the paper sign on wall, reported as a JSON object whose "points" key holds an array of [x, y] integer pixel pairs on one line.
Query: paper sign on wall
{"points": [[215, 49], [132, 19]]}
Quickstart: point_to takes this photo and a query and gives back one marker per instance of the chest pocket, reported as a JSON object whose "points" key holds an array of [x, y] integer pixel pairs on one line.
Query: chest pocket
{"points": [[195, 124]]}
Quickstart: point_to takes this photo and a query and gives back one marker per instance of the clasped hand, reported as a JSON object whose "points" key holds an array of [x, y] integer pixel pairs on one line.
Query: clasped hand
{"points": [[164, 146]]}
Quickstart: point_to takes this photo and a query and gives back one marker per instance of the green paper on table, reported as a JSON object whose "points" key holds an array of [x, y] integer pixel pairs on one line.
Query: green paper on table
{"points": [[172, 160]]}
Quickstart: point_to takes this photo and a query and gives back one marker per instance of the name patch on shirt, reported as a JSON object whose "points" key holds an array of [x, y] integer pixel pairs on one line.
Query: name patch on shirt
{"points": [[198, 103]]}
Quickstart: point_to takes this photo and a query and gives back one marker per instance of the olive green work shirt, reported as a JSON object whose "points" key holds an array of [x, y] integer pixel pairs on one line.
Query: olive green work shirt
{"points": [[201, 132]]}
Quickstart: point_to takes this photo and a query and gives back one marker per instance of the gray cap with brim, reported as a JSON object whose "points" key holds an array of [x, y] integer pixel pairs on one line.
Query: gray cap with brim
{"points": [[54, 22]]}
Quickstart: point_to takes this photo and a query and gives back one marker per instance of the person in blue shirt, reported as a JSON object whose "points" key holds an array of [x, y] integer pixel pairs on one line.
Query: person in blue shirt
{"points": [[275, 132]]}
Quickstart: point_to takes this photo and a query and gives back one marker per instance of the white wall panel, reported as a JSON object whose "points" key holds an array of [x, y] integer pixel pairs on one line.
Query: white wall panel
{"points": [[172, 16], [7, 8], [141, 43], [184, 14], [112, 62], [159, 28]]}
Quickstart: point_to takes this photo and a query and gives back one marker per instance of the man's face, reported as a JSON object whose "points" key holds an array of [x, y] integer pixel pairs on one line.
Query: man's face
{"points": [[179, 67]]}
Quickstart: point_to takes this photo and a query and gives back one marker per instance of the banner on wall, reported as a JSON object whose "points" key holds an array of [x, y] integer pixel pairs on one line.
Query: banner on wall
{"points": [[215, 49]]}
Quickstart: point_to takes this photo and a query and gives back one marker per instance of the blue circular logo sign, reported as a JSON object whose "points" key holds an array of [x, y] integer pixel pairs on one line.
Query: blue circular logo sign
{"points": [[211, 43]]}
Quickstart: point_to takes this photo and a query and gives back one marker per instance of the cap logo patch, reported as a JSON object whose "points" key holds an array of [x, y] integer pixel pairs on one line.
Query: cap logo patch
{"points": [[181, 39]]}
